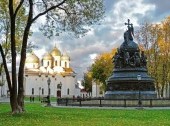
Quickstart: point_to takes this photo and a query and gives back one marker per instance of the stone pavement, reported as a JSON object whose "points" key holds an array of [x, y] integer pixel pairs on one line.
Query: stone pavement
{"points": [[4, 99], [97, 107]]}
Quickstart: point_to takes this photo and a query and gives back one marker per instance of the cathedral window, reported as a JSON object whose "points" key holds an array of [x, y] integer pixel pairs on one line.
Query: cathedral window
{"points": [[32, 91], [68, 91], [55, 63], [42, 62], [42, 91], [65, 64]]}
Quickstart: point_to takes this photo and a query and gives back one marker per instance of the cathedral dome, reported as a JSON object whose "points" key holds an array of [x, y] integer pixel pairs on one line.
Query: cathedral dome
{"points": [[32, 58], [47, 56], [65, 57], [55, 52]]}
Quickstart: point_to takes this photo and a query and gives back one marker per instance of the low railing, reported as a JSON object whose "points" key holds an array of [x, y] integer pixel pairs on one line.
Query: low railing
{"points": [[102, 102]]}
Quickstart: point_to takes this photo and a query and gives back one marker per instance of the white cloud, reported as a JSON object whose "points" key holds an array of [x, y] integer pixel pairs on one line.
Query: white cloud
{"points": [[93, 56], [103, 37]]}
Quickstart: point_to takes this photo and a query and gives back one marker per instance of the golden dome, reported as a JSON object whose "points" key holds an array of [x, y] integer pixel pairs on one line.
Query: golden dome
{"points": [[32, 58], [65, 57], [47, 56], [55, 52]]}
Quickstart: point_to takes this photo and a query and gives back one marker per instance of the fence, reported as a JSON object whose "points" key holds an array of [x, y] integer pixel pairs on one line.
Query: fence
{"points": [[102, 102]]}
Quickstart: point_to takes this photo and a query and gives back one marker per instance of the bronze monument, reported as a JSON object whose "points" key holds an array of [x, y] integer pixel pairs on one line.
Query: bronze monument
{"points": [[129, 64]]}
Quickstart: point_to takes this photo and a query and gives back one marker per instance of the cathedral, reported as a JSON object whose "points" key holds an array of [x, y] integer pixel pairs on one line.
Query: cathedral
{"points": [[50, 75]]}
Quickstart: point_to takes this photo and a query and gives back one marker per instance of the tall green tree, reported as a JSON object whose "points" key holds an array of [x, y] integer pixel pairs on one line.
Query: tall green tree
{"points": [[74, 16]]}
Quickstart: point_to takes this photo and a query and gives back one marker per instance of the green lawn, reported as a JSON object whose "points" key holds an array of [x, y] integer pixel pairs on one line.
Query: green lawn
{"points": [[37, 115]]}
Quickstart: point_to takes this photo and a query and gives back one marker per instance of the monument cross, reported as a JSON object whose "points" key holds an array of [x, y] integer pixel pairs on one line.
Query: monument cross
{"points": [[128, 24]]}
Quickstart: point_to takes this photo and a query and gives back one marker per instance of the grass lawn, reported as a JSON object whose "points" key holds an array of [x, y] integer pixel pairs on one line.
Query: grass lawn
{"points": [[37, 115]]}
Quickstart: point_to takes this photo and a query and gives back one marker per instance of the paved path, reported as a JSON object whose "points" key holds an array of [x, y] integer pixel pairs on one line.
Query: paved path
{"points": [[96, 107], [4, 99]]}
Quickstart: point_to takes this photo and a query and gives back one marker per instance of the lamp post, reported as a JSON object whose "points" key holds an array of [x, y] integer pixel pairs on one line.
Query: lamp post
{"points": [[139, 96], [60, 85], [39, 92], [48, 97]]}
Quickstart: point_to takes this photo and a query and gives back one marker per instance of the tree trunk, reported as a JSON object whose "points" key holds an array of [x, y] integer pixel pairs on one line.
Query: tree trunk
{"points": [[13, 90], [20, 100], [23, 57], [13, 102]]}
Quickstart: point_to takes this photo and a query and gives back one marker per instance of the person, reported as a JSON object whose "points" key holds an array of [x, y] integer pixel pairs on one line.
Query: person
{"points": [[30, 99]]}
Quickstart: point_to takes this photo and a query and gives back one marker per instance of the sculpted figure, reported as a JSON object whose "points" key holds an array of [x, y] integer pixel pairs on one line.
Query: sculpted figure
{"points": [[143, 59], [137, 59], [117, 60], [127, 58]]}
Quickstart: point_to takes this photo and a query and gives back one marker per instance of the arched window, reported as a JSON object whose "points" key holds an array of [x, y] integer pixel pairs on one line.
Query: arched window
{"points": [[42, 91], [65, 64], [68, 91], [55, 63], [42, 62], [32, 91]]}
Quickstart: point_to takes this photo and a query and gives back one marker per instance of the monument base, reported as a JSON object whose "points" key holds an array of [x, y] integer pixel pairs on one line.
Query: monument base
{"points": [[130, 95]]}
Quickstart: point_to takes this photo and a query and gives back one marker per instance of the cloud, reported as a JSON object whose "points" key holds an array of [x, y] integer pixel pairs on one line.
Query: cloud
{"points": [[107, 35]]}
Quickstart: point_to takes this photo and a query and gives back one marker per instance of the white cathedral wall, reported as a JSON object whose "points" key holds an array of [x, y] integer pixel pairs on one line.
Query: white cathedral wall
{"points": [[63, 63], [68, 83], [58, 59], [31, 65], [39, 83], [95, 90], [47, 63]]}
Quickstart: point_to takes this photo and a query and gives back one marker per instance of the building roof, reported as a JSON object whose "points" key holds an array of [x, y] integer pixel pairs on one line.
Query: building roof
{"points": [[47, 56], [32, 58], [65, 57], [55, 52]]}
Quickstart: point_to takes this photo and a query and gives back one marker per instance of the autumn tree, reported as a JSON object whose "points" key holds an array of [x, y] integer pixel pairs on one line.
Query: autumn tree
{"points": [[164, 48], [102, 67], [87, 81], [73, 16], [155, 41]]}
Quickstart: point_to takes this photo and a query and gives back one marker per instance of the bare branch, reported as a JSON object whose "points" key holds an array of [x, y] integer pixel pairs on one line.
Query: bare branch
{"points": [[45, 4], [49, 9], [68, 13]]}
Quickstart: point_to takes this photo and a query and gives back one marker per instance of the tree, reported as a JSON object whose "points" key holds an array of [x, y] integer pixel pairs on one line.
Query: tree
{"points": [[87, 82], [73, 16], [155, 41], [102, 67]]}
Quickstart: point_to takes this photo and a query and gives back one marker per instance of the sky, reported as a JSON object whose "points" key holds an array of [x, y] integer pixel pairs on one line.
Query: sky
{"points": [[106, 36]]}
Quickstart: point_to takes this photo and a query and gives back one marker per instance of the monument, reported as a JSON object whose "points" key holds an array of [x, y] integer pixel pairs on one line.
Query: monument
{"points": [[130, 78]]}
